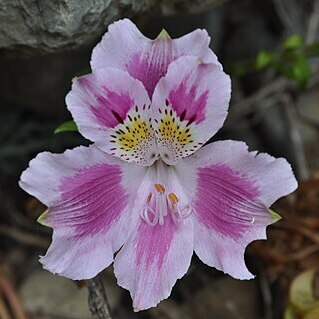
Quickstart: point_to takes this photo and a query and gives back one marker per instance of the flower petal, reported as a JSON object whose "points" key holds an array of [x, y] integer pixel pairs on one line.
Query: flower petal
{"points": [[113, 110], [126, 48], [89, 195], [153, 259], [189, 106], [231, 191]]}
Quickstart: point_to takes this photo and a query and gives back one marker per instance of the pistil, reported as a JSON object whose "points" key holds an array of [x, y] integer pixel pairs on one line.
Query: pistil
{"points": [[160, 203]]}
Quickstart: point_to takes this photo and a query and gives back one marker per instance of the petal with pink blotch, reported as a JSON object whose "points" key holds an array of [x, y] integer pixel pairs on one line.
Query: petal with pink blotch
{"points": [[153, 258], [126, 48], [90, 196], [113, 110], [157, 254], [231, 189], [189, 105]]}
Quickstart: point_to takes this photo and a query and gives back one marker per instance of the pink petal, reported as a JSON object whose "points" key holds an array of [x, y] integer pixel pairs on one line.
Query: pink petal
{"points": [[89, 195], [190, 105], [113, 110], [156, 254], [225, 253], [231, 190], [126, 48], [153, 259]]}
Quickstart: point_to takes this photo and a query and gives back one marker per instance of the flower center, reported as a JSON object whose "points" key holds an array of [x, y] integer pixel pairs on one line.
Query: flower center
{"points": [[160, 204]]}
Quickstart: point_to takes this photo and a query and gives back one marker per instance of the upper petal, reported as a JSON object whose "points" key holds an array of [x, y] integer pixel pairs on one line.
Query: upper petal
{"points": [[113, 110], [126, 48], [89, 195], [189, 106], [231, 190]]}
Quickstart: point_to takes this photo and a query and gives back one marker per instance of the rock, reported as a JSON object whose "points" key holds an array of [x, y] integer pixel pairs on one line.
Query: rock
{"points": [[30, 27], [49, 295], [44, 295], [225, 298], [40, 83]]}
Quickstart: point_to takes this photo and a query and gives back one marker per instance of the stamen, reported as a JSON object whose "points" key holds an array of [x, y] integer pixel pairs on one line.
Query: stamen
{"points": [[185, 210], [176, 216], [146, 216], [157, 208], [180, 212], [160, 188], [173, 198], [149, 197]]}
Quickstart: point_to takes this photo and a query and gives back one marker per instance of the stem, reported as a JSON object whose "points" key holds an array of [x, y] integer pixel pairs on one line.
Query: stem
{"points": [[98, 303], [8, 291]]}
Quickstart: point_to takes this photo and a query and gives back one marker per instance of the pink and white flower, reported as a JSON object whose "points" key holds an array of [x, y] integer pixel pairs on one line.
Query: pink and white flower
{"points": [[147, 186]]}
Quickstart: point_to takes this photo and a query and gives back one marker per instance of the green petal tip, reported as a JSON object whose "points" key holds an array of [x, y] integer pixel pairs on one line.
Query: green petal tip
{"points": [[276, 216], [163, 35], [41, 218], [68, 126]]}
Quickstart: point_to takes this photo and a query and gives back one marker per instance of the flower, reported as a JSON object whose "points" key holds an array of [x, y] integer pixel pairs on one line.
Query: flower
{"points": [[147, 187]]}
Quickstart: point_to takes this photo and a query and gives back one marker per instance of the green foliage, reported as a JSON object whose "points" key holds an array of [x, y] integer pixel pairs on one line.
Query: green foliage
{"points": [[263, 60], [68, 126], [290, 313], [303, 303], [293, 42], [292, 60], [300, 70]]}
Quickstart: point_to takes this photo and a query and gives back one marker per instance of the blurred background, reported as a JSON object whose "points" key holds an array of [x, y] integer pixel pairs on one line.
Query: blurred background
{"points": [[270, 48]]}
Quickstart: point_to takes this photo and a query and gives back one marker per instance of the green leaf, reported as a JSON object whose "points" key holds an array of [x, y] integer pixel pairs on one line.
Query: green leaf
{"points": [[290, 313], [301, 292], [295, 41], [263, 59], [313, 314], [68, 126], [301, 70]]}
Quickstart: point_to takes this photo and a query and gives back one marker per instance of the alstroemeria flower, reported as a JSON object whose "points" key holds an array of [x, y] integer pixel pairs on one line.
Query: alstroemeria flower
{"points": [[146, 187]]}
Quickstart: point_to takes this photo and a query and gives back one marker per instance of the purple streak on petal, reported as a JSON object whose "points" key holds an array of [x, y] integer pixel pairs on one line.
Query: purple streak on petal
{"points": [[224, 198], [153, 242], [93, 199], [150, 66], [186, 104], [111, 107]]}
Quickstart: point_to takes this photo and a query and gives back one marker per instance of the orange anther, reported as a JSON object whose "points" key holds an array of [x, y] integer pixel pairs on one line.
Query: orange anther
{"points": [[173, 198], [149, 197], [160, 188]]}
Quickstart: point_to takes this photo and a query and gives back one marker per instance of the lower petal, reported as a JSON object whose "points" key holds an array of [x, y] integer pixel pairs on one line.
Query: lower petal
{"points": [[81, 257], [231, 190], [89, 195], [153, 259], [225, 253]]}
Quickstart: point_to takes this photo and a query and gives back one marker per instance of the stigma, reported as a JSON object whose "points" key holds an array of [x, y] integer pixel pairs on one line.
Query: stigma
{"points": [[161, 204]]}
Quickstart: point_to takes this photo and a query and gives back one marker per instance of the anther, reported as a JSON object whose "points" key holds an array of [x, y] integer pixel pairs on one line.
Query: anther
{"points": [[149, 197], [160, 188], [172, 198]]}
